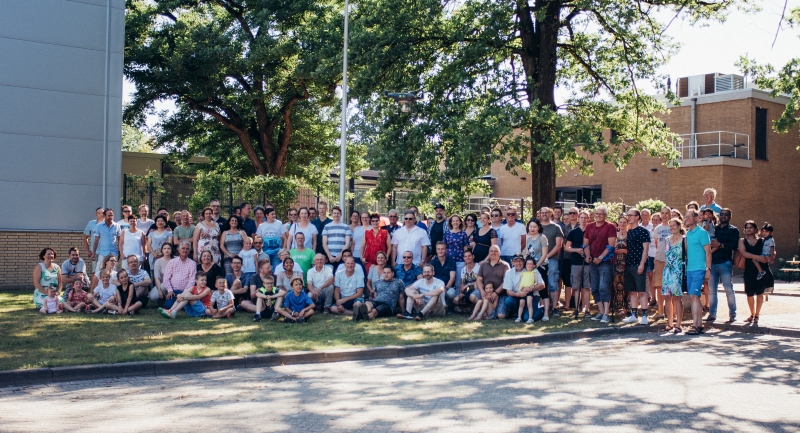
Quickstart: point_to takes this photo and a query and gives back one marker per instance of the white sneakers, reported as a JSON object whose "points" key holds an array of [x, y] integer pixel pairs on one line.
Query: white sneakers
{"points": [[629, 319], [644, 320]]}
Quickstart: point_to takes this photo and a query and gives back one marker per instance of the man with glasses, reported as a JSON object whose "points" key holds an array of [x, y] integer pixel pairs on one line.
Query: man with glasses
{"points": [[496, 219], [565, 267], [410, 238], [636, 267], [215, 208], [408, 272], [144, 222], [393, 222], [725, 242], [421, 224], [510, 236], [320, 222], [555, 239], [598, 249]]}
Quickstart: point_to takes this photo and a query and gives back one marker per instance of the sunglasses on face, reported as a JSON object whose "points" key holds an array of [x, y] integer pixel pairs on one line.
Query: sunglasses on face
{"points": [[511, 214], [406, 257], [375, 221], [573, 213], [409, 219], [725, 215], [496, 216]]}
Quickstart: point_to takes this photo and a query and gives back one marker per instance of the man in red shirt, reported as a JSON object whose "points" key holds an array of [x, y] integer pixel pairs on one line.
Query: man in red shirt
{"points": [[598, 248]]}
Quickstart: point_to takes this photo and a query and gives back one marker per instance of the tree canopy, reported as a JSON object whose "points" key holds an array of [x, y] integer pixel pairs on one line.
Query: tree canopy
{"points": [[253, 82], [490, 70]]}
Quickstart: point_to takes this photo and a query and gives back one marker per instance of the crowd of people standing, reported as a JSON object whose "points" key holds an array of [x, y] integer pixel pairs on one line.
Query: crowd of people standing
{"points": [[490, 265]]}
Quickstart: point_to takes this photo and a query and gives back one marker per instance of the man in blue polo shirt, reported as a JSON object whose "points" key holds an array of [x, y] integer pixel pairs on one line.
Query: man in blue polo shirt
{"points": [[698, 265], [709, 195], [106, 241]]}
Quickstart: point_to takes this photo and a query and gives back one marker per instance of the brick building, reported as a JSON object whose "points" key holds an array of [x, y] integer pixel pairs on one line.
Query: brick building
{"points": [[727, 143]]}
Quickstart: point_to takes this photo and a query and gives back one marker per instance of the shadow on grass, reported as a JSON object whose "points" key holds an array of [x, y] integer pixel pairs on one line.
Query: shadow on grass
{"points": [[32, 340]]}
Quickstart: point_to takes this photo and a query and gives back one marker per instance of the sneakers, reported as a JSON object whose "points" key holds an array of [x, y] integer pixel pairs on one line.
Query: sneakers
{"points": [[761, 275], [256, 317], [711, 318], [131, 313], [111, 312], [364, 312], [605, 319], [326, 311], [164, 313], [629, 319], [356, 314], [587, 314], [545, 319], [420, 317], [517, 320], [643, 321], [300, 320], [276, 316], [554, 313], [205, 316], [599, 316], [529, 322], [405, 315]]}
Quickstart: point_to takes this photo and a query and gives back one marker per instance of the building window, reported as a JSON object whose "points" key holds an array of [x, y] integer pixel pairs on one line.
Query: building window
{"points": [[761, 133]]}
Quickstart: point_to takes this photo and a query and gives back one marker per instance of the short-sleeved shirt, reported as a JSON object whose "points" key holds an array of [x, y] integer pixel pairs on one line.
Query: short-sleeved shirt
{"points": [[388, 292], [223, 300], [442, 270], [318, 278], [231, 278], [575, 237], [144, 225], [205, 300], [297, 303], [255, 280], [437, 231], [662, 232], [714, 206], [303, 258], [651, 250], [637, 237], [138, 277], [184, 232], [455, 244], [510, 239], [68, 269], [410, 240], [271, 233], [696, 240], [567, 229], [348, 285], [470, 277], [357, 240], [598, 237], [320, 226], [493, 273], [552, 232], [123, 224], [249, 226], [511, 280], [408, 277], [424, 287], [103, 294], [89, 231], [109, 238], [309, 231], [337, 236]]}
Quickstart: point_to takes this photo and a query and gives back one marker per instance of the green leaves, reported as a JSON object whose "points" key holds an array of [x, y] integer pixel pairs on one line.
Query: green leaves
{"points": [[783, 82]]}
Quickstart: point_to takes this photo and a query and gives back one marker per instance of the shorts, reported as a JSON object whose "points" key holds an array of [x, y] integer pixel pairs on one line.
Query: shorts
{"points": [[384, 310], [143, 299], [658, 273], [635, 282], [650, 266], [580, 275], [349, 304], [566, 272], [476, 293], [694, 282], [438, 308], [195, 310]]}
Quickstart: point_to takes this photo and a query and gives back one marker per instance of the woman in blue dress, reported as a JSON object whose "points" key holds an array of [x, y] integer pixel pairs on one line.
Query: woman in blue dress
{"points": [[672, 279]]}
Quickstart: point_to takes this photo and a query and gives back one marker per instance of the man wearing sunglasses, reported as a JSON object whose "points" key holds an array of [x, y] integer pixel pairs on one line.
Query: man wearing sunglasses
{"points": [[394, 224], [410, 238], [510, 236]]}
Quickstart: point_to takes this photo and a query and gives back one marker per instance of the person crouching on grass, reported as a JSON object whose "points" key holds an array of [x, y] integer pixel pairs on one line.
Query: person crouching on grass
{"points": [[268, 297], [105, 296], [50, 303], [297, 306], [76, 300], [222, 298], [194, 303]]}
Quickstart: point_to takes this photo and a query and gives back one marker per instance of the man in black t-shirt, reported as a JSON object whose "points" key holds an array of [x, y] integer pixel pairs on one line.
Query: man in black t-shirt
{"points": [[438, 226], [635, 265], [579, 269]]}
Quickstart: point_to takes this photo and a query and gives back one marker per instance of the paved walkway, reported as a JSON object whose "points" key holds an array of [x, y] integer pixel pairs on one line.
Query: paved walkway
{"points": [[718, 382], [778, 311]]}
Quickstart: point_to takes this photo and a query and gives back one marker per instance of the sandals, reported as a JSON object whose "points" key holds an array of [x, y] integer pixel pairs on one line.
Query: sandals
{"points": [[693, 331], [677, 329], [755, 320], [750, 319], [669, 328]]}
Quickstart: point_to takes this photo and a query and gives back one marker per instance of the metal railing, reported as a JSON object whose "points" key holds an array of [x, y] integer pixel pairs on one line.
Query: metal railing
{"points": [[713, 144]]}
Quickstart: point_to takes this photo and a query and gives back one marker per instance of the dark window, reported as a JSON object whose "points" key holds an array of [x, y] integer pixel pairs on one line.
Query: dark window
{"points": [[614, 135], [761, 133]]}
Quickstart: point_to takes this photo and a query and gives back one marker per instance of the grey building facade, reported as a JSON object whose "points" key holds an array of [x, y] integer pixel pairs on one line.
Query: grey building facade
{"points": [[61, 112]]}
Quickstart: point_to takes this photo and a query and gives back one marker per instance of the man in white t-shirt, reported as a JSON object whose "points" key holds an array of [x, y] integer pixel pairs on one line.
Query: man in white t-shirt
{"points": [[410, 238], [426, 294], [511, 236], [320, 284]]}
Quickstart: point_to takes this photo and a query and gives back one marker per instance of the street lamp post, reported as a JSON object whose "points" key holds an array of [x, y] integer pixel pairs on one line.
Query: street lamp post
{"points": [[343, 140]]}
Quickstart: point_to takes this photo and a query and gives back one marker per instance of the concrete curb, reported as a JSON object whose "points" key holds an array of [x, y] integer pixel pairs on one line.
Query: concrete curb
{"points": [[40, 376], [747, 329]]}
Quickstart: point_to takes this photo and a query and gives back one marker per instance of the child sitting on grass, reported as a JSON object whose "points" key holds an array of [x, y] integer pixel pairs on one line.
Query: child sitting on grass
{"points": [[268, 297], [297, 306], [194, 303], [105, 295], [485, 306], [76, 300], [766, 250], [50, 303], [222, 298]]}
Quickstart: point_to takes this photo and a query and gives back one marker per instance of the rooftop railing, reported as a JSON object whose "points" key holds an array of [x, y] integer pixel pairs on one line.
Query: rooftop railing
{"points": [[713, 144]]}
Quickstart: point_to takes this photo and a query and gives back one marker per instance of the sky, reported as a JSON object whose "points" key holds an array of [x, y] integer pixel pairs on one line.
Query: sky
{"points": [[714, 47]]}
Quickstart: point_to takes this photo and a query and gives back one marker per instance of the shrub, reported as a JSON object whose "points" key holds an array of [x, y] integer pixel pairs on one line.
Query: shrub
{"points": [[654, 205], [614, 210]]}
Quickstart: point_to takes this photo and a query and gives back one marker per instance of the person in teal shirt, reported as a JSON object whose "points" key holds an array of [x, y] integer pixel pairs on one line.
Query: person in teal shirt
{"points": [[698, 265]]}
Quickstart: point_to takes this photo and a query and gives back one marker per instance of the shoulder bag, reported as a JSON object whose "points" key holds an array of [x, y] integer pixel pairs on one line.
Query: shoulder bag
{"points": [[738, 258], [684, 259]]}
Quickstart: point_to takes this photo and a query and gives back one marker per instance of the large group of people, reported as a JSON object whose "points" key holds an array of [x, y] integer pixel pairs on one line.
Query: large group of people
{"points": [[488, 265]]}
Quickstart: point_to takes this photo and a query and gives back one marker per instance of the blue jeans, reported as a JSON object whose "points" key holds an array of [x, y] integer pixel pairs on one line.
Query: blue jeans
{"points": [[721, 272], [600, 279], [510, 307], [552, 276]]}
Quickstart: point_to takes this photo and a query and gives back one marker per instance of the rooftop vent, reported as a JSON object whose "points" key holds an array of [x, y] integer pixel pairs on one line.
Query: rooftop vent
{"points": [[709, 83]]}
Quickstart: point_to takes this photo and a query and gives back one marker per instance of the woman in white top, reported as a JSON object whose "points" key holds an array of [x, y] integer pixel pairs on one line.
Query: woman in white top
{"points": [[303, 225], [109, 264], [46, 274], [291, 217], [156, 239], [132, 243], [358, 236], [158, 293]]}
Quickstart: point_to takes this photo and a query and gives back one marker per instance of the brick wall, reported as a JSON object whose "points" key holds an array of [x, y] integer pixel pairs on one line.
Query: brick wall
{"points": [[21, 253]]}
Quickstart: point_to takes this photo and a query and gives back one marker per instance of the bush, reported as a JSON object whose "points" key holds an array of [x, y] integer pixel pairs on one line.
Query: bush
{"points": [[614, 210], [654, 205]]}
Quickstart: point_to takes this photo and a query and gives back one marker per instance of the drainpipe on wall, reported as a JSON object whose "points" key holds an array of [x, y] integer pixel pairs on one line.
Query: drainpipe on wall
{"points": [[105, 108], [693, 144]]}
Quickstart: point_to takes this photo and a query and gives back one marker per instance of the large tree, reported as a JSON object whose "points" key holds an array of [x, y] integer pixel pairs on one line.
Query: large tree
{"points": [[253, 81], [490, 70]]}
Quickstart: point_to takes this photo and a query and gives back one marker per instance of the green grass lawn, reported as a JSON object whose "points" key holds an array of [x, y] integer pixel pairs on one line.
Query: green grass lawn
{"points": [[32, 340]]}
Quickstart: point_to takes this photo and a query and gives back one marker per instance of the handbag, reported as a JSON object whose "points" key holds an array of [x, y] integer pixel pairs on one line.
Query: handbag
{"points": [[738, 259], [684, 259]]}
